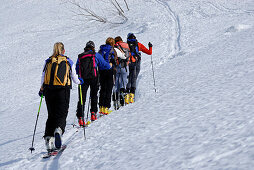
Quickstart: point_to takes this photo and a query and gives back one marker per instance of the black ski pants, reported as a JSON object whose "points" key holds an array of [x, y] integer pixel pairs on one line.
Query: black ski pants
{"points": [[93, 84], [106, 83], [57, 101], [134, 69]]}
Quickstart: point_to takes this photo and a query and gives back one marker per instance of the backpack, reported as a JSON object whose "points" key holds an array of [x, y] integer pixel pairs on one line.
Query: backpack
{"points": [[133, 45], [57, 72], [122, 61], [107, 52], [87, 65]]}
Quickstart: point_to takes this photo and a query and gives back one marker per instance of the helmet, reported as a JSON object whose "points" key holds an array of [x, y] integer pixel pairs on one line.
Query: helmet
{"points": [[90, 44]]}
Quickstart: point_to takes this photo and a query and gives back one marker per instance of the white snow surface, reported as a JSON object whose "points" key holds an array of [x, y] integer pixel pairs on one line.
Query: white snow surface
{"points": [[201, 116]]}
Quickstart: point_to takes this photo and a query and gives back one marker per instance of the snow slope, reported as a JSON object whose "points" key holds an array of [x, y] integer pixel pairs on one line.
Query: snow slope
{"points": [[200, 118]]}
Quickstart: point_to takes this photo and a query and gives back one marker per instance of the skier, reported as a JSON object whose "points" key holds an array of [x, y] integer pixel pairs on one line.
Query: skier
{"points": [[86, 68], [56, 80], [135, 61], [122, 71], [106, 75]]}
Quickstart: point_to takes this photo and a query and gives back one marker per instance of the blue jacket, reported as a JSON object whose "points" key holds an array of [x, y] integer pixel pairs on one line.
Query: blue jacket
{"points": [[100, 63]]}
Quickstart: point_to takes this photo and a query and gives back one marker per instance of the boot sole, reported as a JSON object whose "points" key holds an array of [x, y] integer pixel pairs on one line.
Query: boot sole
{"points": [[58, 142]]}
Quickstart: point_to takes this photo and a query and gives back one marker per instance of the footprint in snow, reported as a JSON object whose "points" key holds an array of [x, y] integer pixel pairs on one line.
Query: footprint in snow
{"points": [[237, 28]]}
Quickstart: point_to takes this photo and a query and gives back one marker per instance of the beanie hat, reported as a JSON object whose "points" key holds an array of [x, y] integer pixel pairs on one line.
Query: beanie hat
{"points": [[90, 44], [131, 36]]}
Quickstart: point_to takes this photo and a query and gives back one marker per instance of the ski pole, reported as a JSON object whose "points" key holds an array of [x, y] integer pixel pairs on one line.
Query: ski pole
{"points": [[32, 148], [114, 93], [74, 118], [81, 102], [88, 122], [153, 73], [121, 93]]}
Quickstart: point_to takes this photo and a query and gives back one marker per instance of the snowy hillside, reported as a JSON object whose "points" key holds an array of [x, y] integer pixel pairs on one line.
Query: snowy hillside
{"points": [[200, 118]]}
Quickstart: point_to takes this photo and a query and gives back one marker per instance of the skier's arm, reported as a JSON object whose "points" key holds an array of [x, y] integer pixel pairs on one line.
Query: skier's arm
{"points": [[142, 48], [77, 67], [74, 76], [101, 62], [43, 76], [43, 73]]}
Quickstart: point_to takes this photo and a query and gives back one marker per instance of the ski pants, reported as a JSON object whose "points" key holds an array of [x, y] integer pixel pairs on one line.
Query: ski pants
{"points": [[134, 69], [93, 84], [57, 101], [121, 78], [106, 83]]}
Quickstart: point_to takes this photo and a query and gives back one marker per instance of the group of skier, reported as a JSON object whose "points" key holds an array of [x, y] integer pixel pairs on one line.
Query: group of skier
{"points": [[112, 71]]}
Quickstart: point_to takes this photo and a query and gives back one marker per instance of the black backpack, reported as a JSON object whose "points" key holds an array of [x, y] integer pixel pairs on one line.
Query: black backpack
{"points": [[133, 44], [87, 69]]}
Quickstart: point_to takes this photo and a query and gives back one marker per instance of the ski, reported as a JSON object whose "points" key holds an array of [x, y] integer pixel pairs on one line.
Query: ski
{"points": [[55, 152], [101, 115], [79, 127]]}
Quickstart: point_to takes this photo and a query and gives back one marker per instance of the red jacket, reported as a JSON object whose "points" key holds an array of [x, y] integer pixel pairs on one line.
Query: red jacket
{"points": [[142, 48]]}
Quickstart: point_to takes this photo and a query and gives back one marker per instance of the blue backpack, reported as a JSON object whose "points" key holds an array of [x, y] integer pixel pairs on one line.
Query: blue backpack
{"points": [[107, 52]]}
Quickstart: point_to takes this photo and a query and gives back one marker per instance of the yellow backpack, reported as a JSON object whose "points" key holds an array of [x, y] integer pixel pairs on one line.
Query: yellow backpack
{"points": [[57, 72]]}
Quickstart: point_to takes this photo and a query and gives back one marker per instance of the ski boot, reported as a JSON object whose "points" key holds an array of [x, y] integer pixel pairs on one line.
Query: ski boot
{"points": [[81, 122], [127, 98], [100, 110], [122, 99], [58, 137], [93, 116], [106, 111], [131, 97], [50, 143], [115, 100]]}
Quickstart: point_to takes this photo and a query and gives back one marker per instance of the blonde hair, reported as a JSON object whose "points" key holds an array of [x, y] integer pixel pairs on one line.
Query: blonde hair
{"points": [[58, 49], [110, 41]]}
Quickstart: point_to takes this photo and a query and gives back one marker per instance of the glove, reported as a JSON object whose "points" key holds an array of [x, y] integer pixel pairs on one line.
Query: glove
{"points": [[81, 80], [41, 93], [150, 44]]}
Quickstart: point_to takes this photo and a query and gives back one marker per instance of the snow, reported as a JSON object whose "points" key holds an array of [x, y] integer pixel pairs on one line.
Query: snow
{"points": [[201, 116]]}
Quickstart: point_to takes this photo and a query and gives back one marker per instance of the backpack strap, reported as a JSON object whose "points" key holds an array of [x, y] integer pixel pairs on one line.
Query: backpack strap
{"points": [[111, 52], [70, 71], [124, 61], [127, 57]]}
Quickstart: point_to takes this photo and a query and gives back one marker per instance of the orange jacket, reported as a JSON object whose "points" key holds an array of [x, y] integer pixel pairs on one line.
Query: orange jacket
{"points": [[142, 48]]}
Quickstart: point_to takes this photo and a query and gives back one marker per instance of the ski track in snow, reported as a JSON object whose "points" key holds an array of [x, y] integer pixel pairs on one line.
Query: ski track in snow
{"points": [[229, 10], [176, 34]]}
